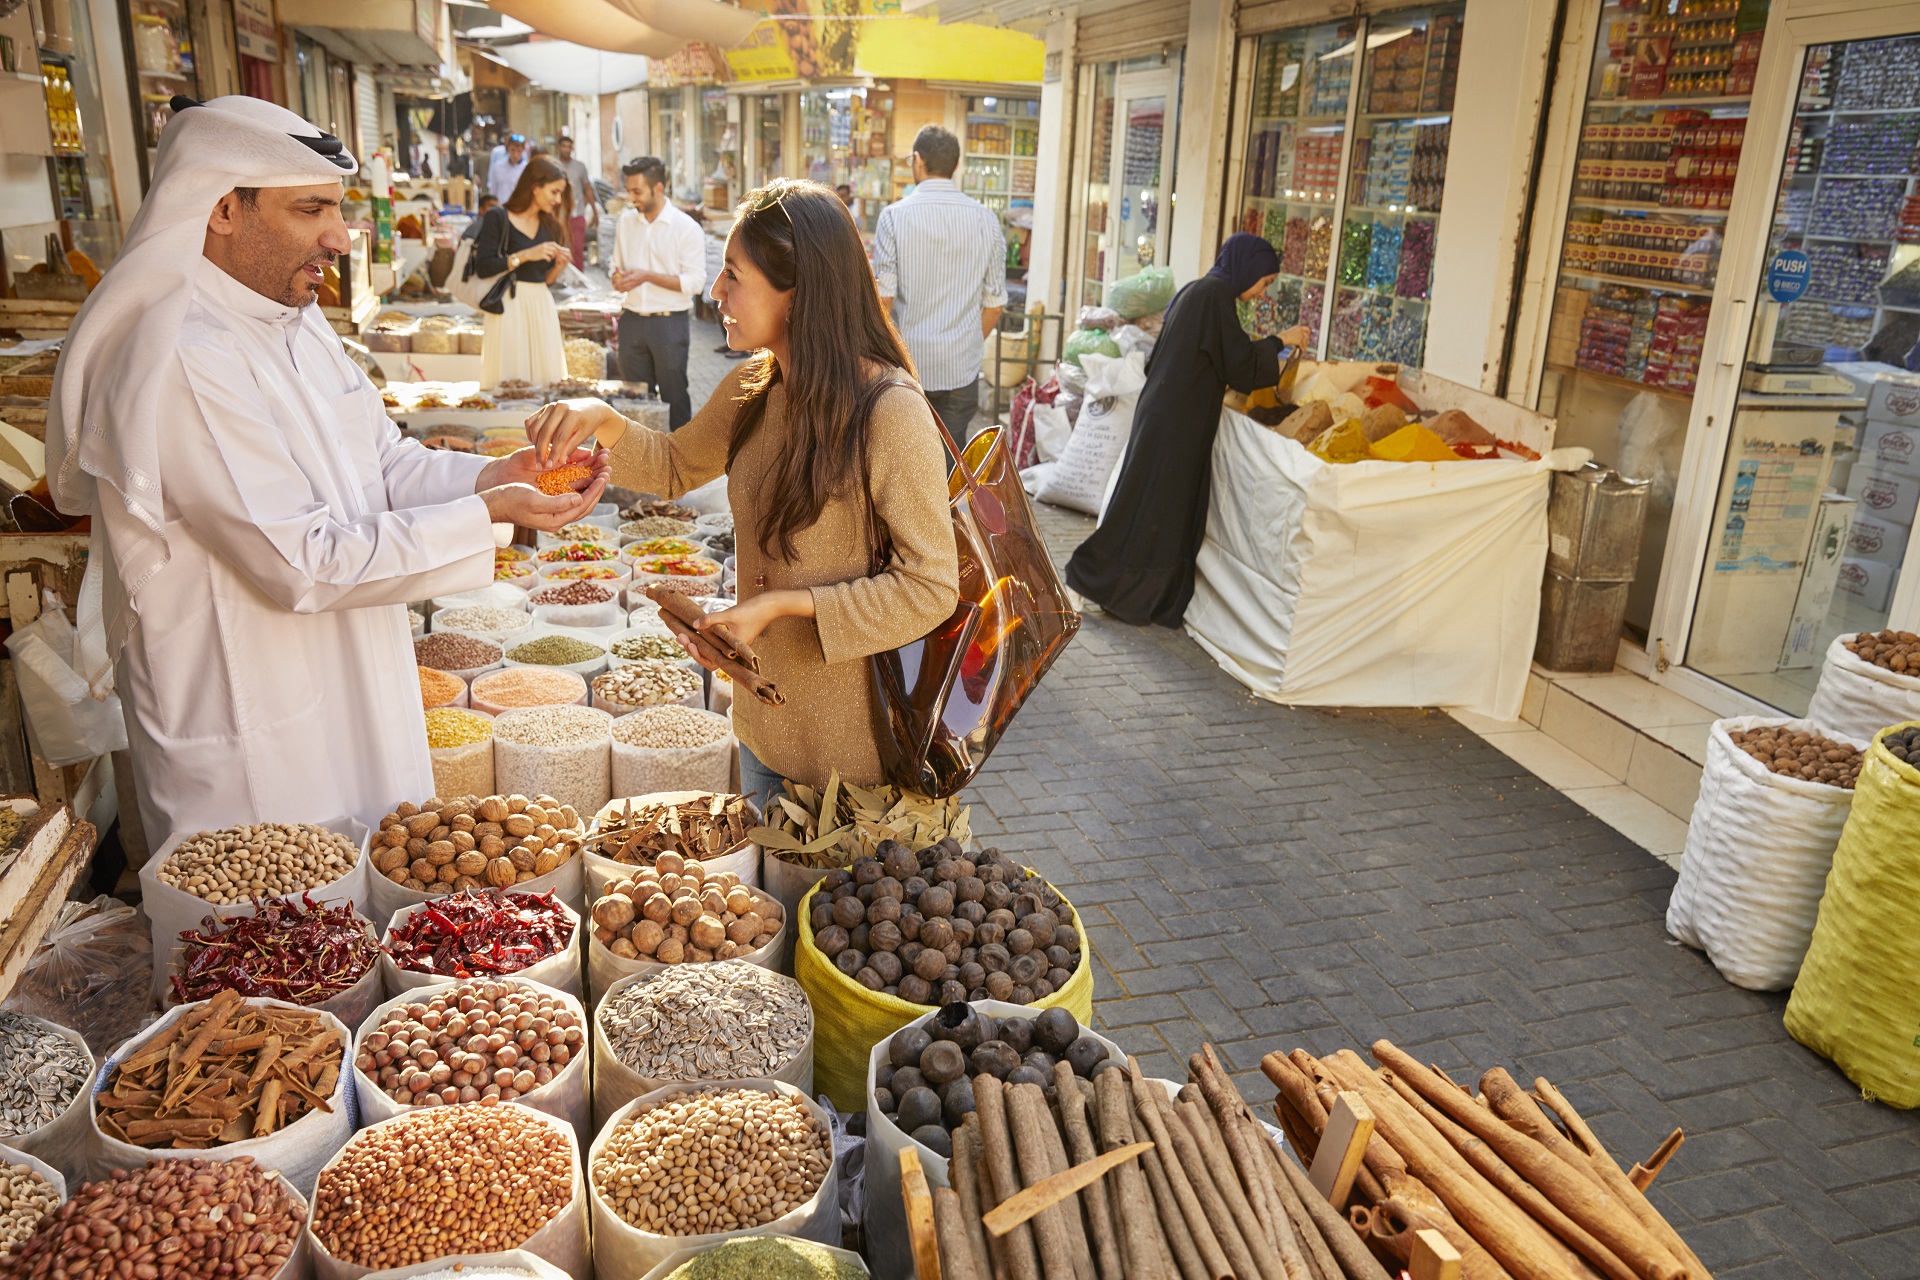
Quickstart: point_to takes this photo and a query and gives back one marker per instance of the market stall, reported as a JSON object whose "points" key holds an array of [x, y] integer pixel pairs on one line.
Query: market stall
{"points": [[1331, 575]]}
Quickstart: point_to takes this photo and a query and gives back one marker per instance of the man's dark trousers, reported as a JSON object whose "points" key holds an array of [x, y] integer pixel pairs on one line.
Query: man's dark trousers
{"points": [[653, 349]]}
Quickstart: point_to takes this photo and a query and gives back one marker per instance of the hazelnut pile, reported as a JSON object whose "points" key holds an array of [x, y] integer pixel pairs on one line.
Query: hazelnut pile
{"points": [[1895, 650], [674, 911], [936, 927], [445, 846], [482, 1040], [1796, 753]]}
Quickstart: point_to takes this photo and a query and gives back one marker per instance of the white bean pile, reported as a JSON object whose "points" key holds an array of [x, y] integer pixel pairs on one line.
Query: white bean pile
{"points": [[670, 727], [481, 618], [262, 860], [568, 726], [646, 683]]}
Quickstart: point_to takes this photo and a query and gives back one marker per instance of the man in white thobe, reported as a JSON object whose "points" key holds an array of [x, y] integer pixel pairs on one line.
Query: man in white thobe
{"points": [[258, 521]]}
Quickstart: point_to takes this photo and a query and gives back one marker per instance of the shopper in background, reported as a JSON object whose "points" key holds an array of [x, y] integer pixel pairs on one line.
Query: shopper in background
{"points": [[586, 207], [527, 236], [472, 228], [659, 262], [1138, 565], [845, 192], [509, 161], [822, 436], [940, 261]]}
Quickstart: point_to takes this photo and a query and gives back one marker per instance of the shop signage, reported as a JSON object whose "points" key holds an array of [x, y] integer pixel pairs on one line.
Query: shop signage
{"points": [[1788, 275], [255, 32], [762, 56]]}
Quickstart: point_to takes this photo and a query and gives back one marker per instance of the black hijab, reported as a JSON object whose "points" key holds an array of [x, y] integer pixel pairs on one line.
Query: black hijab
{"points": [[1244, 261]]}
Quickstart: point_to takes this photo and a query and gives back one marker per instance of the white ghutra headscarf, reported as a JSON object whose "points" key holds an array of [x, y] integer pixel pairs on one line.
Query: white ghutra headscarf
{"points": [[103, 426]]}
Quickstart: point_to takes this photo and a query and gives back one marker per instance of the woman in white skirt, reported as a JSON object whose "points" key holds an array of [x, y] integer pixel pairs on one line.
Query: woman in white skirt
{"points": [[526, 236]]}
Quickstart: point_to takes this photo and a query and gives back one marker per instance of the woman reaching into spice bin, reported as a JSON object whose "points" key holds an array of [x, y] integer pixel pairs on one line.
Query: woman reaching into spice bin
{"points": [[825, 415]]}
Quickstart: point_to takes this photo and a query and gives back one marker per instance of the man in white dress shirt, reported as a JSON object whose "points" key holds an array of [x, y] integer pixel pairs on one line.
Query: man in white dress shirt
{"points": [[660, 263], [508, 161], [259, 524], [940, 261]]}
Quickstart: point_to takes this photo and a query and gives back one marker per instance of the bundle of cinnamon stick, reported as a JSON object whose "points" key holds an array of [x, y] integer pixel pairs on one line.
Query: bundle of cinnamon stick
{"points": [[1112, 1180], [716, 646], [1516, 1181], [222, 1072]]}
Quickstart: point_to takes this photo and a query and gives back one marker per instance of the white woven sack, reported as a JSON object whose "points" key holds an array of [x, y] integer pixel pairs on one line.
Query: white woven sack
{"points": [[298, 1151], [172, 911], [789, 882], [510, 1260], [621, 1250], [560, 971], [680, 1257], [66, 1141], [887, 1243], [615, 1084], [1857, 699], [562, 1242], [1758, 851], [566, 1096], [351, 1005], [579, 774], [605, 968], [603, 871], [639, 771], [48, 1174]]}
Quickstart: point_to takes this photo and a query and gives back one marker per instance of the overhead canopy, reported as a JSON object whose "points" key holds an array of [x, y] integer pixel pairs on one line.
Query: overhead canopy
{"points": [[716, 23], [565, 67], [655, 28]]}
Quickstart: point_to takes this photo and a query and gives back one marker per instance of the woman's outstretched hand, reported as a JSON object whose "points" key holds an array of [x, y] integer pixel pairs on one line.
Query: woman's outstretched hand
{"points": [[557, 429]]}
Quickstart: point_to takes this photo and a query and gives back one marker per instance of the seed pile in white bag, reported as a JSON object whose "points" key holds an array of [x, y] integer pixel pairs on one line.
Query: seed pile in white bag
{"points": [[726, 1021]]}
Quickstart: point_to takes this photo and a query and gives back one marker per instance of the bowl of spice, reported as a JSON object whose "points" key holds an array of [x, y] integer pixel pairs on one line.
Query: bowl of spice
{"points": [[303, 952], [660, 547], [457, 654], [577, 603], [515, 688], [676, 569], [612, 573], [485, 622], [441, 689], [484, 934], [575, 552], [460, 748], [580, 531], [566, 650], [44, 1073]]}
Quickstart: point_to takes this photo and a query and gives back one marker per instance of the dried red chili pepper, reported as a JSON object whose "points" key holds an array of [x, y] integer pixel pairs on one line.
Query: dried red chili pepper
{"points": [[302, 952], [475, 933]]}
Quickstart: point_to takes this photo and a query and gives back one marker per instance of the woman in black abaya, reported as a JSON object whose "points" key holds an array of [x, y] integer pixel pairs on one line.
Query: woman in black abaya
{"points": [[1138, 565]]}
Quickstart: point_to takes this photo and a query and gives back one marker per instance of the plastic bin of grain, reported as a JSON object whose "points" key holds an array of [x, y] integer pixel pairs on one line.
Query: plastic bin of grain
{"points": [[608, 573], [578, 604], [562, 648], [517, 688], [441, 689], [495, 595], [564, 752], [460, 745], [417, 623], [485, 622], [592, 529], [650, 682], [639, 643], [457, 654], [671, 748], [646, 528], [689, 575]]}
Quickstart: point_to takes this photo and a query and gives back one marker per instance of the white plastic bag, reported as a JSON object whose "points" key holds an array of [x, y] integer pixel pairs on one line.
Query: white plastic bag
{"points": [[623, 1250], [615, 1084], [1857, 699], [1051, 431], [94, 968], [173, 911], [66, 1141], [1099, 440], [66, 720], [298, 1151], [565, 1096], [1758, 850], [561, 971]]}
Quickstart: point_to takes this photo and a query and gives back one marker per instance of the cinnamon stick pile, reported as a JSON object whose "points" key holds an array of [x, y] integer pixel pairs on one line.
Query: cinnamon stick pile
{"points": [[717, 646], [1516, 1181], [223, 1072], [1111, 1180]]}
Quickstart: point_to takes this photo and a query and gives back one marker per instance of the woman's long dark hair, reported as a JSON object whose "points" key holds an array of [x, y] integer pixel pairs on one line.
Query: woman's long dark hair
{"points": [[538, 173], [802, 238]]}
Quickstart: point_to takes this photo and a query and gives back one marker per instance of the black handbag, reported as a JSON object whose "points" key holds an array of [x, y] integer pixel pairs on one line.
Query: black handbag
{"points": [[494, 303]]}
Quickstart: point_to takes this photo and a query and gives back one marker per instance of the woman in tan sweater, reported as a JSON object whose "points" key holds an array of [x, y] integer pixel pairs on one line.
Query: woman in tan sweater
{"points": [[827, 403]]}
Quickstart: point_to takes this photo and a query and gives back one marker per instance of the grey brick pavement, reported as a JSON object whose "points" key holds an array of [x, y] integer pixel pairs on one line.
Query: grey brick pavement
{"points": [[1263, 877]]}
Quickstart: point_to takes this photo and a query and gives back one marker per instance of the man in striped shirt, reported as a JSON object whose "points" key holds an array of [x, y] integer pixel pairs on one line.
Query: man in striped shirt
{"points": [[940, 260]]}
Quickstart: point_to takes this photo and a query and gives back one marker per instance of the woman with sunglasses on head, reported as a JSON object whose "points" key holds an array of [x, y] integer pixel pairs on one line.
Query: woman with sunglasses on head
{"points": [[526, 236], [824, 415]]}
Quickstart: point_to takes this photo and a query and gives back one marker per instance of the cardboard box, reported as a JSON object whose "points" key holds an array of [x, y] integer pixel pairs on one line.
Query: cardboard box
{"points": [[1868, 582], [1895, 398], [1873, 538], [1891, 496], [1807, 636], [1890, 448]]}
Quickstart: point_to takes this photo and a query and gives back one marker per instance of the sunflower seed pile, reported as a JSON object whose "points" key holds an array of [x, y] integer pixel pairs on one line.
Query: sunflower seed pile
{"points": [[725, 1021], [41, 1073]]}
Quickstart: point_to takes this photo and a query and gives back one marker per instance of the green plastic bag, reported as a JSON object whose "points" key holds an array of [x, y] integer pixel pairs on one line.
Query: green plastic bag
{"points": [[1142, 295], [1857, 1000], [1089, 342]]}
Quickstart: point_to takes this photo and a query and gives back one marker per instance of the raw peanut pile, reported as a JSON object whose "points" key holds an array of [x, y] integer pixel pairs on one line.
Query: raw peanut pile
{"points": [[204, 1218], [674, 911], [264, 860], [467, 842], [1798, 754], [573, 593], [482, 618], [442, 1181], [646, 683], [715, 1160], [562, 479], [451, 651], [1895, 650], [529, 687], [569, 551], [485, 1040], [671, 727], [438, 688], [25, 1198]]}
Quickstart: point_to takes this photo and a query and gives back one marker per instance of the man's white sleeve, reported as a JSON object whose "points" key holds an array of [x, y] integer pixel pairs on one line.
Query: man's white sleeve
{"points": [[993, 290], [693, 259], [886, 271]]}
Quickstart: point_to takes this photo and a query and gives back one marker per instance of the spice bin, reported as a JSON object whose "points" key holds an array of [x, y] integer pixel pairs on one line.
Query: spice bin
{"points": [[460, 748], [742, 857], [651, 682], [64, 1141], [297, 1150], [280, 949], [620, 1249], [440, 689], [560, 970], [850, 1262], [558, 751], [547, 646], [517, 688], [608, 573], [456, 654], [171, 911], [666, 749]]}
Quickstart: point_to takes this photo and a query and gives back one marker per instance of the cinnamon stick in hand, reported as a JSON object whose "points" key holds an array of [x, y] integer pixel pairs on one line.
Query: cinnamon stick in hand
{"points": [[712, 656], [674, 604]]}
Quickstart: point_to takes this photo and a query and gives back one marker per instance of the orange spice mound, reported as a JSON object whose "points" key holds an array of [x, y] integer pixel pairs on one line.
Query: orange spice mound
{"points": [[562, 479]]}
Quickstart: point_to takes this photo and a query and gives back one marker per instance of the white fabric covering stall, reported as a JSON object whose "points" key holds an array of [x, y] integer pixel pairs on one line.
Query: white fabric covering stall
{"points": [[1396, 584]]}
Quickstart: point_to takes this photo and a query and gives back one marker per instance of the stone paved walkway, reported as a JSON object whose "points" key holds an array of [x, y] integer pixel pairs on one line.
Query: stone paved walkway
{"points": [[1262, 877]]}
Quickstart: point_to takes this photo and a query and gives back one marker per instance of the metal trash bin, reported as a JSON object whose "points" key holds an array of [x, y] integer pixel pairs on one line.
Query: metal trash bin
{"points": [[1595, 517]]}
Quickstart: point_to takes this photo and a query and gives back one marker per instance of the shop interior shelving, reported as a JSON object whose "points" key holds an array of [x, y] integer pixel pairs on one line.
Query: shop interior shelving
{"points": [[1000, 149]]}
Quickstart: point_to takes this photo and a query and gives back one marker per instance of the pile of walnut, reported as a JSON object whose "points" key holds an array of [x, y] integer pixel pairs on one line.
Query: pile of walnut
{"points": [[1895, 650], [1795, 753], [674, 912], [446, 846]]}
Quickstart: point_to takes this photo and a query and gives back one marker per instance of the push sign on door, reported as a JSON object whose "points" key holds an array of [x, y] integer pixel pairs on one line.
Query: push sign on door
{"points": [[1788, 275]]}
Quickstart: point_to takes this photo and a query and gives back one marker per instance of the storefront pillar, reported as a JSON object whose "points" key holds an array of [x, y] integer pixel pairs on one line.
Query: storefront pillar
{"points": [[1201, 149], [1047, 258]]}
